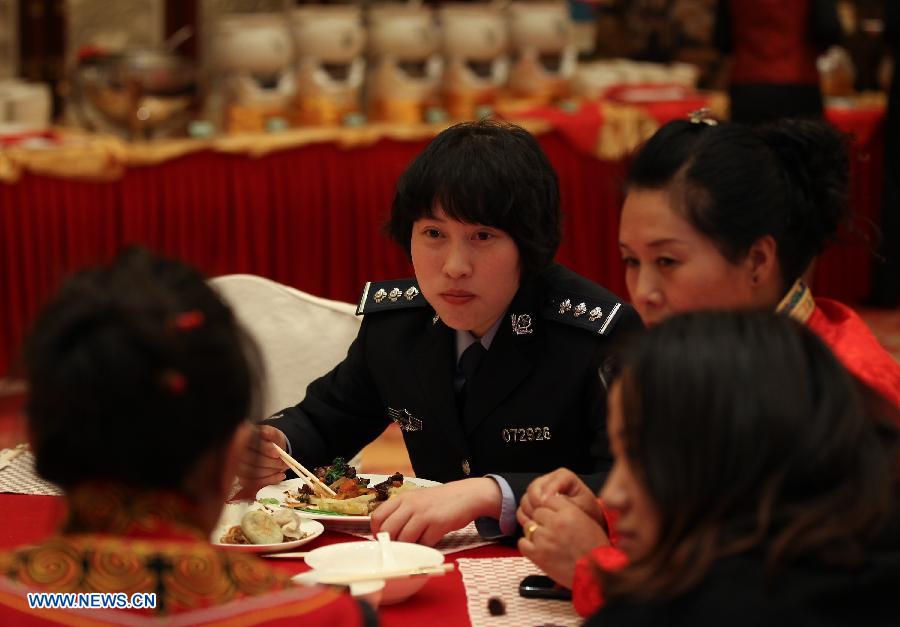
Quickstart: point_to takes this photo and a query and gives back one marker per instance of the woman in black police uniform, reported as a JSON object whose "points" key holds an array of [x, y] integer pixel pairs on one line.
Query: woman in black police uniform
{"points": [[488, 360]]}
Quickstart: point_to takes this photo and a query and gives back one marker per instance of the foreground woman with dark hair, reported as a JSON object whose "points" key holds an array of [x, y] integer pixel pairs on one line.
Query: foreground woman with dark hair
{"points": [[141, 384], [751, 484]]}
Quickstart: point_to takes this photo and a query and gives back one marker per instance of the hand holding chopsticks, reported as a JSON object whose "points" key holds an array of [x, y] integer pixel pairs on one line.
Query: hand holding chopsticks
{"points": [[314, 482]]}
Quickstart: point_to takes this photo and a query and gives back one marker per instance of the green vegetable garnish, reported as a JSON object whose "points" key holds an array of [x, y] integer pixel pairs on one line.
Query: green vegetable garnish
{"points": [[269, 501], [337, 470]]}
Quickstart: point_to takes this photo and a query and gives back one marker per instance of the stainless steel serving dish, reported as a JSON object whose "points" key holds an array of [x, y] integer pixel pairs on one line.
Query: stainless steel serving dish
{"points": [[140, 92]]}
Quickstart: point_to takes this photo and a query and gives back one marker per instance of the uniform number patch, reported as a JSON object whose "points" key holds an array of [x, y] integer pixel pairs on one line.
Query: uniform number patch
{"points": [[525, 434]]}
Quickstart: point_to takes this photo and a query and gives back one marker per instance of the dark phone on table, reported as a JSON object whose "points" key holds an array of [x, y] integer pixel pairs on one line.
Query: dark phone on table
{"points": [[542, 587]]}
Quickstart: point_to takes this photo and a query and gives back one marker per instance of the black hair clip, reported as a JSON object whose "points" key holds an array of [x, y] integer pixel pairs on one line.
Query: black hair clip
{"points": [[702, 116]]}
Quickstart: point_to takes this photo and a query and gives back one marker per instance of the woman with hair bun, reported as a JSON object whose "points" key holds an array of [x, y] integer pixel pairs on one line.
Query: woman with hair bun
{"points": [[140, 387], [717, 216]]}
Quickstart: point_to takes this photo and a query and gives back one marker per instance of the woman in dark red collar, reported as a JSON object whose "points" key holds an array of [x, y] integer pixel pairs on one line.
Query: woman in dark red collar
{"points": [[140, 386], [719, 216]]}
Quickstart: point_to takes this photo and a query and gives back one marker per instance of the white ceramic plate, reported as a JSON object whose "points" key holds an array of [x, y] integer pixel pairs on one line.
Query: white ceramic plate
{"points": [[277, 490], [231, 516]]}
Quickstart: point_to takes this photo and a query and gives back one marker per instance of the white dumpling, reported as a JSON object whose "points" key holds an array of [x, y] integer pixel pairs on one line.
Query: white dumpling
{"points": [[285, 516], [290, 523], [292, 530], [261, 528]]}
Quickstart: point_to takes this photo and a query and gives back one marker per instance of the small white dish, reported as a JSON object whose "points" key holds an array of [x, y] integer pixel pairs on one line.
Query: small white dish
{"points": [[231, 516], [356, 558]]}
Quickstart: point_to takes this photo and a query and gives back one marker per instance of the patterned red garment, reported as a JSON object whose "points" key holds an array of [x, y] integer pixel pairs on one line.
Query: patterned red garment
{"points": [[116, 540]]}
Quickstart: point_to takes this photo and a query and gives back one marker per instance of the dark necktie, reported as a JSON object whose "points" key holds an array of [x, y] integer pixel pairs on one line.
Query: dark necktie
{"points": [[469, 362]]}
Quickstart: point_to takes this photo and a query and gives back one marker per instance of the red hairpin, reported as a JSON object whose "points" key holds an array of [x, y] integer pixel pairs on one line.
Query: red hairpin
{"points": [[175, 382], [189, 320]]}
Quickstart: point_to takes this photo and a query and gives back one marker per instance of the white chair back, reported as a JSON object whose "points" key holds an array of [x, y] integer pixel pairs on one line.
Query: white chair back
{"points": [[301, 336]]}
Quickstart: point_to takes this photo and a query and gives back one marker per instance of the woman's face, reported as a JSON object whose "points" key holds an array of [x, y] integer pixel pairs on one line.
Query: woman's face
{"points": [[638, 524], [671, 267], [469, 273]]}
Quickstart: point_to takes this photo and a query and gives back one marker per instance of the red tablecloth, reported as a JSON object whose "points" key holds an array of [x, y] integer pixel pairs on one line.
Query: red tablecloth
{"points": [[310, 217], [29, 519]]}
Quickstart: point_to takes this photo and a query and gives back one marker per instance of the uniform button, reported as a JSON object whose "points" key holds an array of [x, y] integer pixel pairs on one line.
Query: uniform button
{"points": [[466, 467]]}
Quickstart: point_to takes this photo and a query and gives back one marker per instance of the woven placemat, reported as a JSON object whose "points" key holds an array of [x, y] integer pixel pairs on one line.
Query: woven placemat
{"points": [[17, 474], [499, 577], [455, 541]]}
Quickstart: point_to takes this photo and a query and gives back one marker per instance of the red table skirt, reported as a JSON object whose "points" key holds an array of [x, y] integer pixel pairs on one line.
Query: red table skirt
{"points": [[29, 519], [310, 217]]}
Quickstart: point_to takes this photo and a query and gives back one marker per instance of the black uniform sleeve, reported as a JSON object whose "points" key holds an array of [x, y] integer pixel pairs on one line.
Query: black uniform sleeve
{"points": [[341, 413], [609, 360], [519, 481]]}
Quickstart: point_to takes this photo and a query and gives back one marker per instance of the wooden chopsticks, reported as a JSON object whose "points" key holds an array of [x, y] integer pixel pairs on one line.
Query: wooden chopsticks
{"points": [[343, 579], [303, 473], [287, 555]]}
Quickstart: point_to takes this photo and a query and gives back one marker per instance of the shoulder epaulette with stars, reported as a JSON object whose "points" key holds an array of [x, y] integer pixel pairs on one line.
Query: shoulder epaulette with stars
{"points": [[388, 295], [594, 314]]}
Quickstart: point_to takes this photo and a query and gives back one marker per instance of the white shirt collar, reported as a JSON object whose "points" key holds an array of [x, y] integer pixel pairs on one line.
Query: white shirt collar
{"points": [[464, 339]]}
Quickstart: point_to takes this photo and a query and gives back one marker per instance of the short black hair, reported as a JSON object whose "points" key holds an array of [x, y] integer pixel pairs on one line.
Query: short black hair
{"points": [[735, 184], [749, 435], [135, 370], [484, 172]]}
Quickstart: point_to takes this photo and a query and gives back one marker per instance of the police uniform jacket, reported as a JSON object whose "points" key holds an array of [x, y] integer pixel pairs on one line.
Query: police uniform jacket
{"points": [[537, 402]]}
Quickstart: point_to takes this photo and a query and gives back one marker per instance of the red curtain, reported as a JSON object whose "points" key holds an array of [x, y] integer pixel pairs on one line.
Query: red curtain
{"points": [[308, 217]]}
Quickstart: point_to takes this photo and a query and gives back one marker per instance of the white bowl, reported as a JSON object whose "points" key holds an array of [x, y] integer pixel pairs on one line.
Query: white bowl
{"points": [[351, 558], [368, 591]]}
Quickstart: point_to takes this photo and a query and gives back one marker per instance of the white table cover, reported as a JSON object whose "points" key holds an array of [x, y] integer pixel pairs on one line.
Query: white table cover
{"points": [[499, 577]]}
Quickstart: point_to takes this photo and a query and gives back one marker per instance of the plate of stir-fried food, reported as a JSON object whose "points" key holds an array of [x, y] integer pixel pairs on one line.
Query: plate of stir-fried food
{"points": [[356, 495]]}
